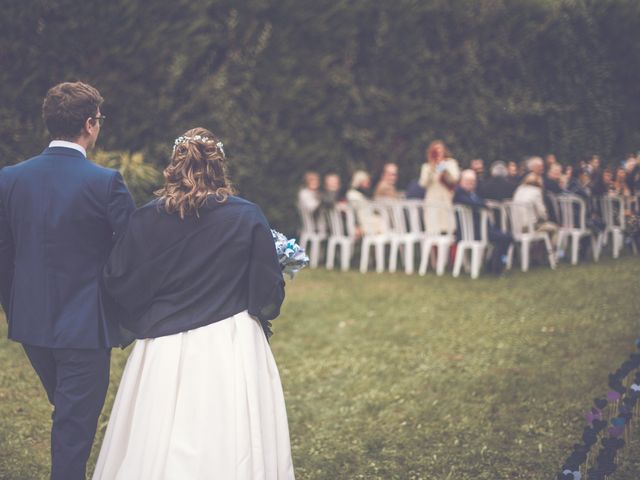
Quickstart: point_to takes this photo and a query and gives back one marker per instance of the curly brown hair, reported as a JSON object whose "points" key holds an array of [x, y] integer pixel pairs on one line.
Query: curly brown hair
{"points": [[197, 171]]}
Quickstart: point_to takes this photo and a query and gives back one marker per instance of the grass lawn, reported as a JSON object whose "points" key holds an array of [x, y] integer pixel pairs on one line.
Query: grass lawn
{"points": [[405, 377]]}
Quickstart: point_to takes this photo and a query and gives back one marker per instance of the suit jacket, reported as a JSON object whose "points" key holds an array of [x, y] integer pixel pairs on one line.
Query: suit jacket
{"points": [[59, 217]]}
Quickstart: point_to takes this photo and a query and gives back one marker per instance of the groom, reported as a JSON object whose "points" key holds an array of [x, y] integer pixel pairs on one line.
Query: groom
{"points": [[59, 216]]}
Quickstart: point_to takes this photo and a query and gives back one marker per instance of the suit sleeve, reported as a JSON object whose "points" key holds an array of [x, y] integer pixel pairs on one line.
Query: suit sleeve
{"points": [[266, 283], [7, 253], [120, 206]]}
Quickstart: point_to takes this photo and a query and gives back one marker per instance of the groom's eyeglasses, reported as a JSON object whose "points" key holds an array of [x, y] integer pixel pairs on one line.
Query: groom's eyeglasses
{"points": [[100, 119]]}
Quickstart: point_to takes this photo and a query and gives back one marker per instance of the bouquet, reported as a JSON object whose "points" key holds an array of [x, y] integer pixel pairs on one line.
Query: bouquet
{"points": [[291, 256]]}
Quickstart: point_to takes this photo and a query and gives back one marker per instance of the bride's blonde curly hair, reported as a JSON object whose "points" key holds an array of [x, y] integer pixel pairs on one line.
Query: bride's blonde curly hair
{"points": [[196, 171]]}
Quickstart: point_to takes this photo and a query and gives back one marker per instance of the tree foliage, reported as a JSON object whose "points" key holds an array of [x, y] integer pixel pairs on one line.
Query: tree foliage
{"points": [[331, 85]]}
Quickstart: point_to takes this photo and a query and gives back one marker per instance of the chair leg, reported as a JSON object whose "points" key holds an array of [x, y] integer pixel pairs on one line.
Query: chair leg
{"points": [[393, 256], [443, 253], [596, 246], [575, 249], [315, 253], [617, 241], [345, 258], [524, 254], [457, 263], [379, 257], [364, 256], [550, 253], [510, 256], [476, 260], [408, 258], [424, 257], [331, 253]]}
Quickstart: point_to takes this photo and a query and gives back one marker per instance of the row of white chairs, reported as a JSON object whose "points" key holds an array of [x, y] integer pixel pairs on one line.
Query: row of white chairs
{"points": [[405, 232]]}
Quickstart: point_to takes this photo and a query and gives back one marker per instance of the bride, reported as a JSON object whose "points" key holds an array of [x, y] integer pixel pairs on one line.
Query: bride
{"points": [[197, 275]]}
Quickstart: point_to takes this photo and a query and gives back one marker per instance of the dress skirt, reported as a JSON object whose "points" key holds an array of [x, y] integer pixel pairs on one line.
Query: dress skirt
{"points": [[202, 404]]}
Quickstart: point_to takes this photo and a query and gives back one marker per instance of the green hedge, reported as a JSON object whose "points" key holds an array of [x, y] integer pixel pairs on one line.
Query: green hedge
{"points": [[331, 85]]}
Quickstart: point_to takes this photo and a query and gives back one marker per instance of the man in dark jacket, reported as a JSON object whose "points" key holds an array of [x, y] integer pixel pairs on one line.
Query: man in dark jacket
{"points": [[498, 187], [465, 194], [59, 217]]}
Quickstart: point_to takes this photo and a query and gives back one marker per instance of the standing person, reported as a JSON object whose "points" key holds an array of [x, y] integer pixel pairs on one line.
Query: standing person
{"points": [[386, 187], [198, 275], [59, 215], [439, 175]]}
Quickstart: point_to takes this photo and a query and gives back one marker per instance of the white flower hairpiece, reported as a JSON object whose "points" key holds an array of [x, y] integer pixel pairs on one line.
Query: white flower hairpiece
{"points": [[183, 139]]}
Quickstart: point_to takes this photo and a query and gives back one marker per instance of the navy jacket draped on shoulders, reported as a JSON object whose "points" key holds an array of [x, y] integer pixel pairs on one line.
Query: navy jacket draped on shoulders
{"points": [[173, 275]]}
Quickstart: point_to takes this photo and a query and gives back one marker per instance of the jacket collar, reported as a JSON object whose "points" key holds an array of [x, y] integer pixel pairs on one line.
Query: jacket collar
{"points": [[64, 151]]}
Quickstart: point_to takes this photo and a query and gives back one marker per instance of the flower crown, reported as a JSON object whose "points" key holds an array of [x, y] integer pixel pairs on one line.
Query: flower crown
{"points": [[200, 138]]}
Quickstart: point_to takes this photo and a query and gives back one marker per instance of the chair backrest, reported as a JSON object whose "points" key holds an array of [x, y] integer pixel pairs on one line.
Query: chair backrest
{"points": [[342, 221], [395, 215], [573, 211], [413, 210], [497, 214], [374, 209], [464, 216], [520, 217], [613, 211], [553, 200], [313, 222]]}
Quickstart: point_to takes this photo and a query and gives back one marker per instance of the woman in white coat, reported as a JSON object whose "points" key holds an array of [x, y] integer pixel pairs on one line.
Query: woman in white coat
{"points": [[439, 176]]}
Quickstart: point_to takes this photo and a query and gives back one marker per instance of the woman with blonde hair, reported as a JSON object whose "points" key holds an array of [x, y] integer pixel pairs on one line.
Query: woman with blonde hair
{"points": [[439, 176], [198, 279]]}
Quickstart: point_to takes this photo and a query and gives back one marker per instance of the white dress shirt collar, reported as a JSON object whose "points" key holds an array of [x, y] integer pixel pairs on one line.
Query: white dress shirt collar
{"points": [[65, 144]]}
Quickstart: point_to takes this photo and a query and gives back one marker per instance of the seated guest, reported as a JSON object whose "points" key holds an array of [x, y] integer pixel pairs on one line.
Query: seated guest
{"points": [[581, 185], [331, 194], [530, 192], [465, 194], [498, 186], [477, 165], [552, 187], [360, 190], [513, 173], [309, 197], [368, 221], [552, 179], [386, 187], [535, 165]]}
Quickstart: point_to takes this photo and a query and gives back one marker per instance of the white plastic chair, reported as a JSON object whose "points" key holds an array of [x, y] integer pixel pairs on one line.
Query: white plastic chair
{"points": [[313, 232], [404, 234], [377, 240], [519, 217], [442, 242], [468, 242], [342, 233], [574, 231], [613, 216]]}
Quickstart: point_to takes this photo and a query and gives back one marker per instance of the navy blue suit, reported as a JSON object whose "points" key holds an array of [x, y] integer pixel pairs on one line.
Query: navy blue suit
{"points": [[59, 217]]}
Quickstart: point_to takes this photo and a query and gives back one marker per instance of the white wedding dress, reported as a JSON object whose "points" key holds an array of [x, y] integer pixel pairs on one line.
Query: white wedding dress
{"points": [[202, 404]]}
